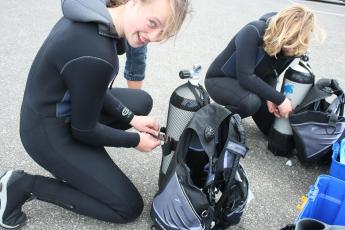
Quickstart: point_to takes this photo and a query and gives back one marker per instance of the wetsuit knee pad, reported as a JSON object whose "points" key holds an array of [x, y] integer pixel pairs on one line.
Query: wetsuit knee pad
{"points": [[146, 103], [131, 209]]}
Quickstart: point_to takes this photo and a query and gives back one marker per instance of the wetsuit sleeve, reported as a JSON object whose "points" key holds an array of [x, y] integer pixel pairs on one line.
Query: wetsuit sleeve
{"points": [[271, 80], [87, 81], [246, 50], [116, 109]]}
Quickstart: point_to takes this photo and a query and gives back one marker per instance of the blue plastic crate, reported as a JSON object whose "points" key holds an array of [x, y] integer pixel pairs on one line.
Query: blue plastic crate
{"points": [[326, 201], [337, 168]]}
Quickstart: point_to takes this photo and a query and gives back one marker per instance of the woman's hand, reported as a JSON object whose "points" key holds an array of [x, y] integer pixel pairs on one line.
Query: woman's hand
{"points": [[285, 108], [147, 142], [145, 124], [273, 108]]}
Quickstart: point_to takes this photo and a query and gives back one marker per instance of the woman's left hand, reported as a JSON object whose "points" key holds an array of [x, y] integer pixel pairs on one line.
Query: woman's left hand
{"points": [[145, 124]]}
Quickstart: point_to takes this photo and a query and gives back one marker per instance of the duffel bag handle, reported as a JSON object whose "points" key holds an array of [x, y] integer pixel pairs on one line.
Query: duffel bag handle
{"points": [[337, 106], [330, 86]]}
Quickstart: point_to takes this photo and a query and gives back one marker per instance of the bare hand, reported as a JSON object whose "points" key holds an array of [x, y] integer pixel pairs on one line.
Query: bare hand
{"points": [[147, 142], [145, 124], [285, 108], [273, 108]]}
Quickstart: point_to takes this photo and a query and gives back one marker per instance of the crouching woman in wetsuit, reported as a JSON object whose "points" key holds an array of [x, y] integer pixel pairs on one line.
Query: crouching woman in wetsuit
{"points": [[68, 113], [244, 75]]}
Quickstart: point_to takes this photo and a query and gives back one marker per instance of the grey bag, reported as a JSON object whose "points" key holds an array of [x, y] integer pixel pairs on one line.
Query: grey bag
{"points": [[317, 124]]}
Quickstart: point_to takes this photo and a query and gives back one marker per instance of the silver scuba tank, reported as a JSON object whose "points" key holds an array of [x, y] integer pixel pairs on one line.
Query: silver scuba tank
{"points": [[297, 82], [184, 102]]}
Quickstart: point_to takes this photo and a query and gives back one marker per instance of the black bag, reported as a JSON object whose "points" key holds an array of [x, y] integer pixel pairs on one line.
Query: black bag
{"points": [[205, 187], [317, 124]]}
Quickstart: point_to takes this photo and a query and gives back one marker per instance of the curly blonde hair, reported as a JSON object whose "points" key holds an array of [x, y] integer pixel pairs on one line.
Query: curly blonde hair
{"points": [[290, 28]]}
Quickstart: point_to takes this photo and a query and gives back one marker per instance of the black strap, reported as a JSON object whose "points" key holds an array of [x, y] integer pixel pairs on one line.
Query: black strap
{"points": [[342, 105], [307, 67], [202, 98], [289, 227], [205, 95], [337, 106], [332, 124], [168, 140], [237, 150]]}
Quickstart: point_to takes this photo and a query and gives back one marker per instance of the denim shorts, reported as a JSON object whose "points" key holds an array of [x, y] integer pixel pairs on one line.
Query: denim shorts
{"points": [[135, 63]]}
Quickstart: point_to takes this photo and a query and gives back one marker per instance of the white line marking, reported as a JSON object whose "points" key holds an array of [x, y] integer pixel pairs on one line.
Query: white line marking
{"points": [[320, 11]]}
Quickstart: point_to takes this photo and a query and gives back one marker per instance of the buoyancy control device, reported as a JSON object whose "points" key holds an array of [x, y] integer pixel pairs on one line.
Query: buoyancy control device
{"points": [[184, 102], [205, 186], [297, 82]]}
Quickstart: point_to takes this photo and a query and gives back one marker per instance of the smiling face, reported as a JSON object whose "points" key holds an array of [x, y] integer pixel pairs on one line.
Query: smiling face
{"points": [[145, 22]]}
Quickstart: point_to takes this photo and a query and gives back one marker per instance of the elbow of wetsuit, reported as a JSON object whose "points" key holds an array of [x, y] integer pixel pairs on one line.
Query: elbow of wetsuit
{"points": [[103, 135]]}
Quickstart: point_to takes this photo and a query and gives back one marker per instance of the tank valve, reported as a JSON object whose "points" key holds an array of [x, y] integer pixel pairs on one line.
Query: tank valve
{"points": [[192, 74]]}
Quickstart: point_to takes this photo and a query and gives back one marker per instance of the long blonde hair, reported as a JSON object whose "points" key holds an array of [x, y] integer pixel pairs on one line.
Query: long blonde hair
{"points": [[290, 28], [179, 9]]}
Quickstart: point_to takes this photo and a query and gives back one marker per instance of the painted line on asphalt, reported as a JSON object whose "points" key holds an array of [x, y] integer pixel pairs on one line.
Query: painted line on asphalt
{"points": [[320, 11]]}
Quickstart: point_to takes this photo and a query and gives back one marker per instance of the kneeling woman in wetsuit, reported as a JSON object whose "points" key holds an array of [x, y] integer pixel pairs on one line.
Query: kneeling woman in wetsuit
{"points": [[68, 113], [244, 75]]}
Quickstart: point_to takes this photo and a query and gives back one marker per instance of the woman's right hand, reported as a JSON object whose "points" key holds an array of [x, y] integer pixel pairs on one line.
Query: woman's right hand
{"points": [[147, 142], [273, 108], [285, 108]]}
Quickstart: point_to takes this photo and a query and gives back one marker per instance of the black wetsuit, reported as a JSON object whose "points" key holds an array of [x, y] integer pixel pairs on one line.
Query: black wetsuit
{"points": [[243, 76], [68, 115]]}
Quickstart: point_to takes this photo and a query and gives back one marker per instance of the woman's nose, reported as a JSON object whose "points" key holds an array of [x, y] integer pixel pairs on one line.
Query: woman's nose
{"points": [[155, 35]]}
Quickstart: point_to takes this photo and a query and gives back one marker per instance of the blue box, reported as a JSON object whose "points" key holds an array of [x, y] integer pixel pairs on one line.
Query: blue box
{"points": [[326, 201], [337, 169]]}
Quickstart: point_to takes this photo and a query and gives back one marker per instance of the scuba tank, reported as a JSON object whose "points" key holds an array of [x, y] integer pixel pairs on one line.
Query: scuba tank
{"points": [[184, 102], [297, 82]]}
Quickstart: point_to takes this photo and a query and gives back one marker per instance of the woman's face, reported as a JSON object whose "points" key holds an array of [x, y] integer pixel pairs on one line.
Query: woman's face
{"points": [[288, 51], [145, 22]]}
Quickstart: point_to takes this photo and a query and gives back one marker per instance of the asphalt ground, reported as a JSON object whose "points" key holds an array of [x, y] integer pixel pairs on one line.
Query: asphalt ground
{"points": [[277, 187]]}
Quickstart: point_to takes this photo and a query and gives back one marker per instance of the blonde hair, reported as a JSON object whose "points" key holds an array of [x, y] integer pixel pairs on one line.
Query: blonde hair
{"points": [[179, 9], [290, 28]]}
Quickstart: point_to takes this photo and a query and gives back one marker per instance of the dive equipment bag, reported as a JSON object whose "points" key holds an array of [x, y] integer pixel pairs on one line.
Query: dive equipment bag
{"points": [[205, 187], [318, 123]]}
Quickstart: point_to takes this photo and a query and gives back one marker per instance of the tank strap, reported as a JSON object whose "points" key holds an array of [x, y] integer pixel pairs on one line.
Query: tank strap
{"points": [[202, 97], [307, 67], [167, 139]]}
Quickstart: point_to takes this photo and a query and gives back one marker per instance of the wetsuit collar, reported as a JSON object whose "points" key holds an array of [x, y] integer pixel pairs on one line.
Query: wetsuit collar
{"points": [[108, 31], [90, 11]]}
